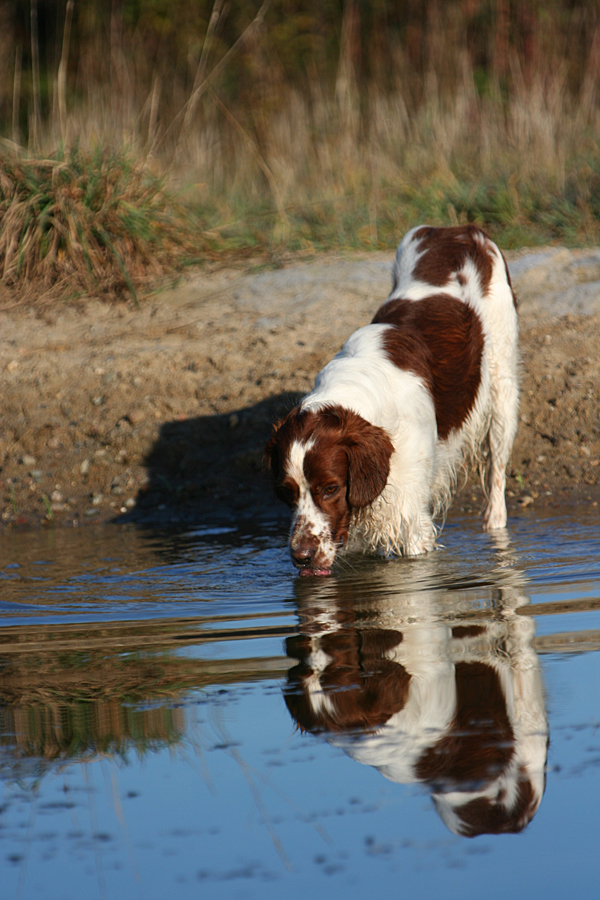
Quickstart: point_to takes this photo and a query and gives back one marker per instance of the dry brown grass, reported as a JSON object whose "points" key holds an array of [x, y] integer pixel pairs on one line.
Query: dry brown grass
{"points": [[267, 161], [95, 219]]}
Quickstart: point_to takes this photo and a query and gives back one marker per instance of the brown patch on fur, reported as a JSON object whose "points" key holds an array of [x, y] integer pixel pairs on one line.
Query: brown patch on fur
{"points": [[467, 631], [480, 741], [440, 339], [484, 816], [445, 251], [364, 689]]}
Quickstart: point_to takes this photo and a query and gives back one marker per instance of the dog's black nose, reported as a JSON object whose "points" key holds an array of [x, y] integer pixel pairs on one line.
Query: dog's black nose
{"points": [[302, 555]]}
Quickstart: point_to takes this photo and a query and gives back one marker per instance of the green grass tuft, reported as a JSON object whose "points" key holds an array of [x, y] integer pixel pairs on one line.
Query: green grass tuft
{"points": [[94, 218]]}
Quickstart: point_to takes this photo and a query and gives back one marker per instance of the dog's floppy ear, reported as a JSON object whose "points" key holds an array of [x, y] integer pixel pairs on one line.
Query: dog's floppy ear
{"points": [[369, 451]]}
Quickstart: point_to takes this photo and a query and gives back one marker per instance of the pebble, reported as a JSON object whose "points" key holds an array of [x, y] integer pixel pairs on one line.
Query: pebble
{"points": [[97, 499], [56, 497], [84, 468], [135, 416], [28, 460], [91, 512]]}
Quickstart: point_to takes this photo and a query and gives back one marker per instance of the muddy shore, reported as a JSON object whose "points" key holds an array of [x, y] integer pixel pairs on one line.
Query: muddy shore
{"points": [[159, 414]]}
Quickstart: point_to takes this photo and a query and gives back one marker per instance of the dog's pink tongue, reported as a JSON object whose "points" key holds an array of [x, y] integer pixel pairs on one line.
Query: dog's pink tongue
{"points": [[315, 571]]}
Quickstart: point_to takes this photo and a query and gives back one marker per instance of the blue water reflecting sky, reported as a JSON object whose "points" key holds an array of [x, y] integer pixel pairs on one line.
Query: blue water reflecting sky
{"points": [[213, 791]]}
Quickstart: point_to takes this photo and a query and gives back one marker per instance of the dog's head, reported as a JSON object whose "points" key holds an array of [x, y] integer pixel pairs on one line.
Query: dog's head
{"points": [[324, 464]]}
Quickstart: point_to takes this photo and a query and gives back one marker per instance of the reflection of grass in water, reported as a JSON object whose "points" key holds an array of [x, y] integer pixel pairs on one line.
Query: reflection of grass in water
{"points": [[93, 696], [79, 728], [79, 703]]}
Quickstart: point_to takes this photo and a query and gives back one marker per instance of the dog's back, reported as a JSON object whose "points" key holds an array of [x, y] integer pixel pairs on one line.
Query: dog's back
{"points": [[467, 314]]}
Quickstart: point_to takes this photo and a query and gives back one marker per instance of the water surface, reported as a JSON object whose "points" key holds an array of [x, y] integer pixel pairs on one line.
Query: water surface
{"points": [[181, 716]]}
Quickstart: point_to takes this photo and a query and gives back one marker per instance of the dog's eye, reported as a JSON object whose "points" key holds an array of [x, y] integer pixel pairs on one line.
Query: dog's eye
{"points": [[330, 490]]}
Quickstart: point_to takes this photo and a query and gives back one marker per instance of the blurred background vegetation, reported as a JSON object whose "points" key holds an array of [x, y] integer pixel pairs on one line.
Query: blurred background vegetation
{"points": [[289, 126]]}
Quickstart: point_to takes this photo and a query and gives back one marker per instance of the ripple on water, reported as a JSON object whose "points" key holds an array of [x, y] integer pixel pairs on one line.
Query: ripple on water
{"points": [[178, 712]]}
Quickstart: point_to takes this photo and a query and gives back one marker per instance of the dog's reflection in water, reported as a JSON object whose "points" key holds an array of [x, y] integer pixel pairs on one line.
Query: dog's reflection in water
{"points": [[440, 686]]}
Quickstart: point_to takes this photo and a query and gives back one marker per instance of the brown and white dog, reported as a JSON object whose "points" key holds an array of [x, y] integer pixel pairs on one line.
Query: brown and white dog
{"points": [[369, 458]]}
